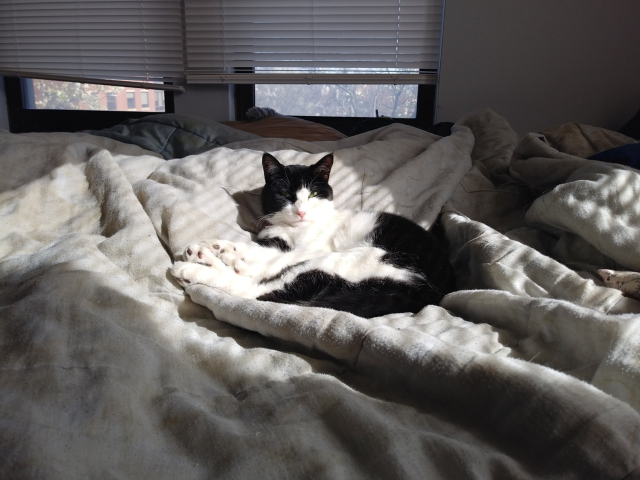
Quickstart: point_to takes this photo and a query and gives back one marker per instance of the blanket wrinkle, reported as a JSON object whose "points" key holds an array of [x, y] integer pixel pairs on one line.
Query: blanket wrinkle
{"points": [[583, 140], [596, 204], [530, 266], [375, 333], [436, 386], [488, 191], [528, 360]]}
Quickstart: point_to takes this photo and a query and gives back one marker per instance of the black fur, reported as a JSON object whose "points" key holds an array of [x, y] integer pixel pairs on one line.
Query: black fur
{"points": [[281, 273], [408, 246], [373, 297], [275, 242], [282, 182], [412, 247]]}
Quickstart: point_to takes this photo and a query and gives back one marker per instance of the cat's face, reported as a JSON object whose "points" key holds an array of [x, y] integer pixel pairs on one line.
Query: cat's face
{"points": [[296, 195]]}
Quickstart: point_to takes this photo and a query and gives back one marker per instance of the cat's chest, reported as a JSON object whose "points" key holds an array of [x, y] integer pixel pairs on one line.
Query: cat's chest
{"points": [[340, 232]]}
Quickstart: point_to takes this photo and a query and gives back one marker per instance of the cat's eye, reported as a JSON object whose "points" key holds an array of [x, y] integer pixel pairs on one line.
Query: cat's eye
{"points": [[285, 194], [313, 194]]}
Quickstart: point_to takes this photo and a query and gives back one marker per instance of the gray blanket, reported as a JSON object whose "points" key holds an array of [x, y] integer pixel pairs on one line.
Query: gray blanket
{"points": [[110, 370], [172, 135]]}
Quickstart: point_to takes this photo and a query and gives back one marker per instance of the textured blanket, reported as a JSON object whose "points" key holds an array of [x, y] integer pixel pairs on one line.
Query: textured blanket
{"points": [[172, 135], [108, 369]]}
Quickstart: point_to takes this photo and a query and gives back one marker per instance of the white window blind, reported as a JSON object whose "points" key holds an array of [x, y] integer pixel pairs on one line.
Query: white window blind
{"points": [[312, 41], [117, 42]]}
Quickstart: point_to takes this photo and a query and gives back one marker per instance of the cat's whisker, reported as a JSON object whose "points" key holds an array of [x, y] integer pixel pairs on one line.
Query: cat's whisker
{"points": [[262, 221]]}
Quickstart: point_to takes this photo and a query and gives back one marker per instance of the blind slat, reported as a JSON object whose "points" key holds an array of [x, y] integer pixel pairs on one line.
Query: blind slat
{"points": [[322, 79], [144, 40], [223, 36], [88, 40]]}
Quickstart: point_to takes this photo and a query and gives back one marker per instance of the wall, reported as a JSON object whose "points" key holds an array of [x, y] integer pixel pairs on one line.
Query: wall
{"points": [[209, 101], [540, 63]]}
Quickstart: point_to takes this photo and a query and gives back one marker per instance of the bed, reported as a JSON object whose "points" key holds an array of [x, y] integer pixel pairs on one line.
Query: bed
{"points": [[531, 369]]}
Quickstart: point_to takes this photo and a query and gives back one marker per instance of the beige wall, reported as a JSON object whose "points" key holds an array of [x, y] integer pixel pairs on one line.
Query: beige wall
{"points": [[209, 101], [541, 62]]}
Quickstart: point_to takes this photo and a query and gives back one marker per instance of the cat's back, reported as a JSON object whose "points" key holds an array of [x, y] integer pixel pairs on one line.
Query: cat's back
{"points": [[413, 247]]}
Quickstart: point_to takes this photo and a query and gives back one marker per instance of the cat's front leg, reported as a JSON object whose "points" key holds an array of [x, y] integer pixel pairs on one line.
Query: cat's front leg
{"points": [[217, 275], [231, 254], [246, 259]]}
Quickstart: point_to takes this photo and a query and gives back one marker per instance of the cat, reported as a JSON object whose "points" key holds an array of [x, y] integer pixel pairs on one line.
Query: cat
{"points": [[366, 263]]}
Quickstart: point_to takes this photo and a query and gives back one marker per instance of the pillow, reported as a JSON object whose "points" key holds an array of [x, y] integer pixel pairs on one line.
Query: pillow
{"points": [[288, 127]]}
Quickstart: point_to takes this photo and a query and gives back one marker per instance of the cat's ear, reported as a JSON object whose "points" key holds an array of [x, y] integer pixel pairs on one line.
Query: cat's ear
{"points": [[322, 169], [273, 169]]}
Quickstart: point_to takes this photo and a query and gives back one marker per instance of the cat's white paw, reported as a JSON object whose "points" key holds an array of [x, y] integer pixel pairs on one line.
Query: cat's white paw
{"points": [[201, 253], [187, 273], [217, 276], [231, 254]]}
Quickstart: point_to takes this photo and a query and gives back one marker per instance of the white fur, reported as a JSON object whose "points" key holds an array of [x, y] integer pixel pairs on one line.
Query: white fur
{"points": [[325, 239]]}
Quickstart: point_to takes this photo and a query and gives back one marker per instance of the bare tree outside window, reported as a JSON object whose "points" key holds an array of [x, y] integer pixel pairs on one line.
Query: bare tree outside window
{"points": [[397, 101]]}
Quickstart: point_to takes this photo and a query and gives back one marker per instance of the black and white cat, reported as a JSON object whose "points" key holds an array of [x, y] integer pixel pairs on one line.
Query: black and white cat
{"points": [[366, 263]]}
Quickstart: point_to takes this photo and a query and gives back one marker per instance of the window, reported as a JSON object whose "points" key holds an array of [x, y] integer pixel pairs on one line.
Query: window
{"points": [[342, 100], [125, 44], [144, 99], [159, 101], [346, 47], [56, 95], [131, 100], [111, 101], [25, 115], [123, 41], [396, 101], [304, 41], [247, 96], [319, 58]]}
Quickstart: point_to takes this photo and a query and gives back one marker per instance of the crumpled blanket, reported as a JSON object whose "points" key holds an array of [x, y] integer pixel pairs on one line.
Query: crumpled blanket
{"points": [[172, 135], [110, 369]]}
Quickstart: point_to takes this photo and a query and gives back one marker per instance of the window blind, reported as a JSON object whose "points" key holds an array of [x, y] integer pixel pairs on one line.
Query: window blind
{"points": [[130, 42], [312, 41]]}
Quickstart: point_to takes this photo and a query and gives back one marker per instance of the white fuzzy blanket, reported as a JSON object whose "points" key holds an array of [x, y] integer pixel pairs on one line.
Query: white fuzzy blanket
{"points": [[109, 370]]}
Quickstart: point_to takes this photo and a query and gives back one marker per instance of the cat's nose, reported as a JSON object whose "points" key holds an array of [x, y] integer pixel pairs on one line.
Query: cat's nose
{"points": [[301, 214]]}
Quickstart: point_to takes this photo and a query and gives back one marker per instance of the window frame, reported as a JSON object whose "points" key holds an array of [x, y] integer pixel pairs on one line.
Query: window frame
{"points": [[24, 120], [244, 99]]}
